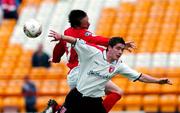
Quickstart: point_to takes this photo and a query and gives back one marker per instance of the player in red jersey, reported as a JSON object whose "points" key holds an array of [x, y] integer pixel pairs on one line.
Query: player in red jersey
{"points": [[79, 28]]}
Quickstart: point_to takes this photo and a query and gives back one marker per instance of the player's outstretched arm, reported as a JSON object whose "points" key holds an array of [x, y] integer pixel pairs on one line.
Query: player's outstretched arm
{"points": [[57, 37], [149, 79]]}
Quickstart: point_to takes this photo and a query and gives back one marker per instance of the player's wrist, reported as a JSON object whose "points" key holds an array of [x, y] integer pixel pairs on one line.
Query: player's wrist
{"points": [[62, 37]]}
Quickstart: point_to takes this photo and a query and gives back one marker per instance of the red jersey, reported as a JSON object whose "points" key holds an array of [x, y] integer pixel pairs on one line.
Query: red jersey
{"points": [[72, 56]]}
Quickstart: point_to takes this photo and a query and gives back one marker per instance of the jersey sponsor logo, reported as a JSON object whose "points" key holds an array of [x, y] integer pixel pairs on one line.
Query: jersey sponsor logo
{"points": [[95, 73], [111, 69], [87, 33]]}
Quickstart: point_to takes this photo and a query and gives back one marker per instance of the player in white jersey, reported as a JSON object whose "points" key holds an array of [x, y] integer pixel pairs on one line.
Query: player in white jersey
{"points": [[96, 69]]}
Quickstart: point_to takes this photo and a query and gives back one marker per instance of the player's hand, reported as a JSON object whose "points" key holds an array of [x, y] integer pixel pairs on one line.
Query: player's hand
{"points": [[129, 46], [55, 35], [164, 81]]}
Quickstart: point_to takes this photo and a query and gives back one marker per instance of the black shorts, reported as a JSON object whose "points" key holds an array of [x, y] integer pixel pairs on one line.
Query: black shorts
{"points": [[76, 103]]}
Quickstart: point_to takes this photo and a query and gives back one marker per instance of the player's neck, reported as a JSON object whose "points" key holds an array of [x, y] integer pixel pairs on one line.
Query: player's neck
{"points": [[109, 58]]}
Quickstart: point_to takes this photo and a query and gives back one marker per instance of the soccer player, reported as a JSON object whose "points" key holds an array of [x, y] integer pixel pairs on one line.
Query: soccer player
{"points": [[79, 28], [96, 68]]}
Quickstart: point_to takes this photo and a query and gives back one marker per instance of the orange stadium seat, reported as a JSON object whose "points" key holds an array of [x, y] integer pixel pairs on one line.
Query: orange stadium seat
{"points": [[152, 88], [170, 89], [121, 82], [133, 102], [14, 102], [173, 72], [5, 73], [168, 103], [139, 86], [151, 103], [38, 73], [63, 87], [158, 71], [179, 103], [14, 84], [60, 99], [1, 103], [20, 73], [49, 87], [3, 85], [42, 102]]}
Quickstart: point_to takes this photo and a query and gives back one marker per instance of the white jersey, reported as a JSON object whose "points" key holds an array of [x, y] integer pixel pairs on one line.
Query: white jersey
{"points": [[95, 71]]}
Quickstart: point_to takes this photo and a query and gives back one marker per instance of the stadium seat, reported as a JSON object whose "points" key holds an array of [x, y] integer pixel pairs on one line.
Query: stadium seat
{"points": [[63, 87], [158, 72], [3, 85], [173, 72], [38, 73], [60, 99], [152, 88], [14, 84], [170, 89], [13, 101], [20, 73], [49, 87], [139, 86], [151, 103], [133, 102], [179, 103], [168, 103], [42, 102], [121, 82]]}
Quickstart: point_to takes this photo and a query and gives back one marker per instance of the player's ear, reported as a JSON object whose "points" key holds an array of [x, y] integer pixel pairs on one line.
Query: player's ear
{"points": [[109, 48]]}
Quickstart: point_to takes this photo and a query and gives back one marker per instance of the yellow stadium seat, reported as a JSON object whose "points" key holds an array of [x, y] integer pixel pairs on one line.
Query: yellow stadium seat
{"points": [[133, 102], [151, 103], [168, 103]]}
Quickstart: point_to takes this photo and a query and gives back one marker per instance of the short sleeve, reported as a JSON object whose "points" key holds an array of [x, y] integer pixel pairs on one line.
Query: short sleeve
{"points": [[128, 72]]}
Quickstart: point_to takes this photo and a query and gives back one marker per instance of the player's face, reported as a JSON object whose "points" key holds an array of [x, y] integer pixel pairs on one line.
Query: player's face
{"points": [[116, 51], [85, 23]]}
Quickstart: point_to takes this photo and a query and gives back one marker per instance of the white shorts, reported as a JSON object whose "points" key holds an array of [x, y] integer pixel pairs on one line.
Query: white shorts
{"points": [[72, 77]]}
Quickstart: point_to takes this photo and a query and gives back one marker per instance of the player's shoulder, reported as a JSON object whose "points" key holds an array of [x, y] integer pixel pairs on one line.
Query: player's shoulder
{"points": [[85, 32], [68, 30]]}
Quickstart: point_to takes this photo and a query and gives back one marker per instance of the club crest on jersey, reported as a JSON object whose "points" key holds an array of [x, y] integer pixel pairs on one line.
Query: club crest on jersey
{"points": [[87, 33], [111, 69]]}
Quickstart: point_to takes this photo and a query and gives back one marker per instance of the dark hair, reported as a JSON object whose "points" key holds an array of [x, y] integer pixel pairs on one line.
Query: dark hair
{"points": [[115, 40], [75, 16]]}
